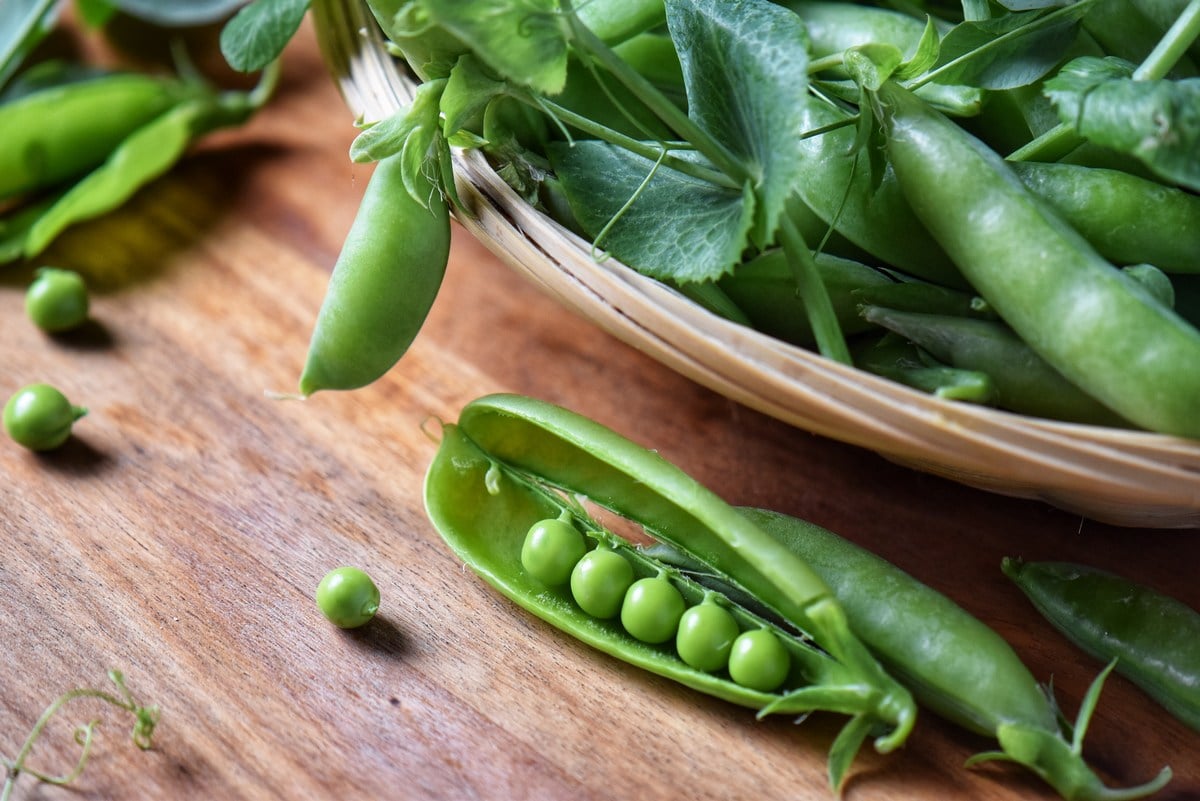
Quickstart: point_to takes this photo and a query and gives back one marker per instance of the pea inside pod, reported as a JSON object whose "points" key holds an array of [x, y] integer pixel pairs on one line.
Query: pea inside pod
{"points": [[511, 461]]}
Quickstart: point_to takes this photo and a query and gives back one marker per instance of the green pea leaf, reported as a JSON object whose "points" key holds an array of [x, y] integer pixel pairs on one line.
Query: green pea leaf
{"points": [[524, 41], [925, 55], [258, 33], [469, 89], [389, 136], [745, 64], [869, 65], [179, 13], [1157, 121], [415, 134], [677, 227], [23, 23], [1006, 52], [430, 51]]}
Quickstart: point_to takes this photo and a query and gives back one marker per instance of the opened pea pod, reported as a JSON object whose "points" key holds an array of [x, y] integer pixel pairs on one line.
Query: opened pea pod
{"points": [[511, 463]]}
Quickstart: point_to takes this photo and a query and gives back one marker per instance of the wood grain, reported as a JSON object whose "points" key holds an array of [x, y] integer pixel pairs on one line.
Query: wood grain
{"points": [[180, 535]]}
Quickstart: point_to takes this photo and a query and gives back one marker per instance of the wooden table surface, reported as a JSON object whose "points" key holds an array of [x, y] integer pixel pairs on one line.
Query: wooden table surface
{"points": [[180, 535]]}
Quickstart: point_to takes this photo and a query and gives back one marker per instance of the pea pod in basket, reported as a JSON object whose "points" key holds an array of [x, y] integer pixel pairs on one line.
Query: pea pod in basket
{"points": [[511, 463]]}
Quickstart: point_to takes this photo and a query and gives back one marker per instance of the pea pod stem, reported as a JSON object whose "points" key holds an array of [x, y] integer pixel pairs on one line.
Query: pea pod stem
{"points": [[145, 720], [1173, 45]]}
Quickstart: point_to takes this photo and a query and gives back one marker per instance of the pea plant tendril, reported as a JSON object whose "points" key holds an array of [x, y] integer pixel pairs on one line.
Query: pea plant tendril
{"points": [[145, 721]]}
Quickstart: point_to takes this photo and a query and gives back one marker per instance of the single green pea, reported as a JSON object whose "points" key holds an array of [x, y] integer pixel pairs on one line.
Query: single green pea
{"points": [[651, 609], [599, 582], [705, 637], [550, 551], [758, 660], [40, 417], [57, 300], [347, 597]]}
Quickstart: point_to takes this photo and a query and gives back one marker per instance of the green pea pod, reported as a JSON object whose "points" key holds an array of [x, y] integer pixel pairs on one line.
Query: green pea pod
{"points": [[954, 664], [1022, 380], [765, 289], [146, 154], [383, 284], [1154, 638], [1128, 219], [918, 296], [55, 134], [493, 477], [891, 356], [1098, 327], [838, 187]]}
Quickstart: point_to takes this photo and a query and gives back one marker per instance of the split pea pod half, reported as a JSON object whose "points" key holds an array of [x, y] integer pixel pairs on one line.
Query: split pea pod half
{"points": [[1154, 638], [384, 282], [511, 462], [955, 665], [1097, 326]]}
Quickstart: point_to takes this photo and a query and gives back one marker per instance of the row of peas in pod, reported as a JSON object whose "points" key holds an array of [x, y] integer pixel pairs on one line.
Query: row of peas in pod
{"points": [[604, 584]]}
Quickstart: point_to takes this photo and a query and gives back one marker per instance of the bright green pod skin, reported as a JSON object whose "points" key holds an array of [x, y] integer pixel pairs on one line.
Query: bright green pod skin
{"points": [[511, 460], [1127, 218], [485, 528], [877, 219], [1154, 638], [40, 417], [1098, 327], [383, 284], [956, 665], [58, 133], [144, 155]]}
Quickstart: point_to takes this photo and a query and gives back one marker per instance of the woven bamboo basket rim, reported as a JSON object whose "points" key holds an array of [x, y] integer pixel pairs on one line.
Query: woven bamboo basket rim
{"points": [[1125, 478]]}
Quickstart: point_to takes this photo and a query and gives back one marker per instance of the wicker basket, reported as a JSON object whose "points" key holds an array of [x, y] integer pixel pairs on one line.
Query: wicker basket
{"points": [[1119, 477]]}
